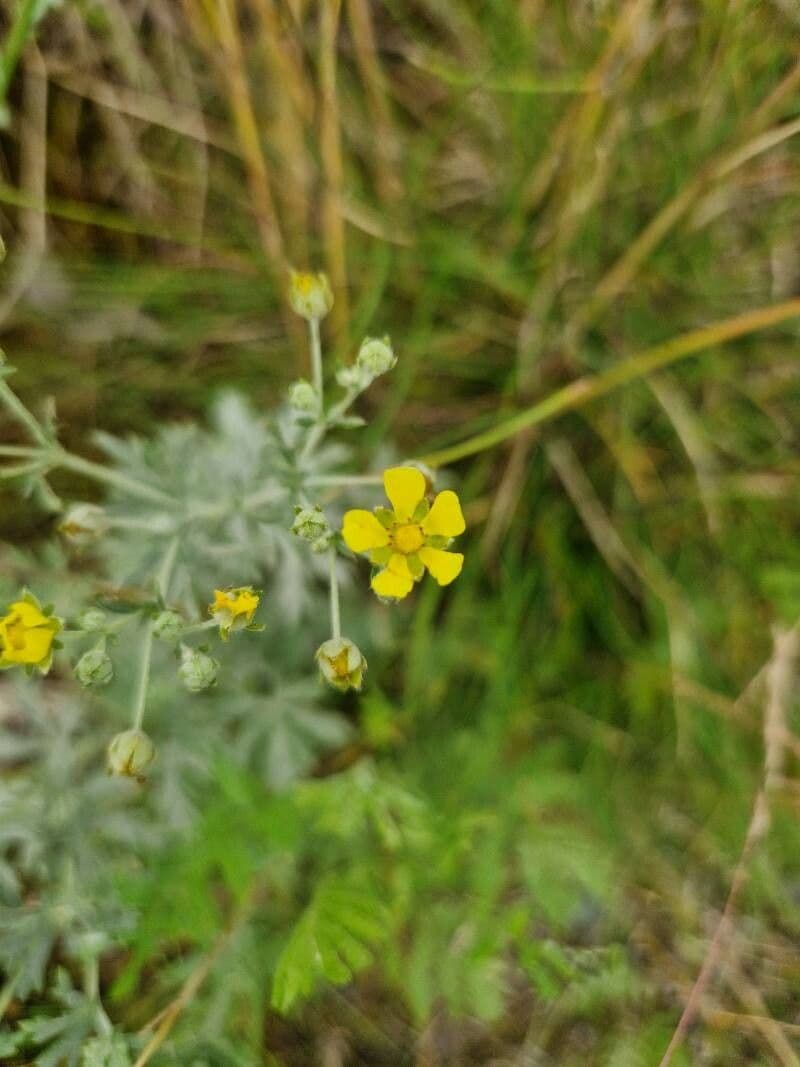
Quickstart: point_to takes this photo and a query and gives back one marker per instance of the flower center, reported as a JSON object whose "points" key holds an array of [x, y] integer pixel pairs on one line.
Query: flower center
{"points": [[408, 539]]}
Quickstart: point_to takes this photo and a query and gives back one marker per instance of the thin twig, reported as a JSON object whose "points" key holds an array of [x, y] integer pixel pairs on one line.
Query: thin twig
{"points": [[780, 673]]}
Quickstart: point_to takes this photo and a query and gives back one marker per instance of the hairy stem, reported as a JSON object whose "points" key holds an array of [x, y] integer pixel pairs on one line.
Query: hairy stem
{"points": [[143, 682], [18, 410], [336, 621]]}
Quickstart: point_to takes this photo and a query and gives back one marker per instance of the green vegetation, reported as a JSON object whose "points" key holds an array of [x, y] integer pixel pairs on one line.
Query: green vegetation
{"points": [[563, 807]]}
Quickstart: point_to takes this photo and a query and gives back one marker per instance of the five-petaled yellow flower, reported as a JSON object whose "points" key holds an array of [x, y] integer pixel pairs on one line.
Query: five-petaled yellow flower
{"points": [[410, 538], [27, 634], [233, 609]]}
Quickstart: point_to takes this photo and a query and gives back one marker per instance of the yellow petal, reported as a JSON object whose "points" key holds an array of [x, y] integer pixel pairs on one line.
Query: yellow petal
{"points": [[445, 567], [362, 531], [395, 580], [405, 487], [34, 650], [28, 613], [445, 518]]}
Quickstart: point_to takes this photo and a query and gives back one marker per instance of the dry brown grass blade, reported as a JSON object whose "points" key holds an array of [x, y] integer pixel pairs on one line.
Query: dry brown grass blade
{"points": [[244, 118], [385, 140], [292, 105], [751, 144], [330, 148]]}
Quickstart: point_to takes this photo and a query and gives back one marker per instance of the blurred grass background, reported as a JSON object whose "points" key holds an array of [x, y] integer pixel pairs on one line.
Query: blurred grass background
{"points": [[519, 192]]}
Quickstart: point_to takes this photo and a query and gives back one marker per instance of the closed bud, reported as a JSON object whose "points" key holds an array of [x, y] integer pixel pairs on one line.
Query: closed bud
{"points": [[341, 663], [130, 754], [198, 670], [83, 524], [93, 620], [94, 668], [303, 397], [310, 295], [376, 356], [168, 626], [353, 378], [310, 525]]}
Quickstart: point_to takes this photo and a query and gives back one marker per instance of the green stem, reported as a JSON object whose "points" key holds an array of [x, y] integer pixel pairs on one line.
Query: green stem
{"points": [[143, 682], [336, 621], [582, 390], [111, 477], [336, 481], [19, 411], [316, 361]]}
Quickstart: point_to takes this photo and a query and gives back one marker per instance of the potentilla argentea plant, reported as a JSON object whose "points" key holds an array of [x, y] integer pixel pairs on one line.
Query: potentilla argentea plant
{"points": [[190, 527]]}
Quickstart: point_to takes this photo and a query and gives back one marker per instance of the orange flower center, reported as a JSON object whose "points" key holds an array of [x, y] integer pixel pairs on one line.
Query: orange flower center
{"points": [[408, 539]]}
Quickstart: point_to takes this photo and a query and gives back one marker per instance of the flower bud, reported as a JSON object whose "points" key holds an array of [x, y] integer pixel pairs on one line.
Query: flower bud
{"points": [[303, 397], [376, 356], [93, 620], [168, 626], [94, 668], [310, 294], [198, 670], [310, 525], [341, 663], [84, 523], [353, 378], [130, 754]]}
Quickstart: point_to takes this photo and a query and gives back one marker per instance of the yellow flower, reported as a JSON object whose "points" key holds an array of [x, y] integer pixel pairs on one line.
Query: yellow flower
{"points": [[413, 536], [310, 294], [233, 609], [27, 634]]}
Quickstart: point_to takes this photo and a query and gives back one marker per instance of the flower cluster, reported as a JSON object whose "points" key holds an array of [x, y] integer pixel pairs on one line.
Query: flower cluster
{"points": [[402, 542]]}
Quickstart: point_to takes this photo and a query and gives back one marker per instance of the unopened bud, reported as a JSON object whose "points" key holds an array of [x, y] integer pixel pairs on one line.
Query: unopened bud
{"points": [[93, 620], [376, 356], [130, 754], [198, 670], [94, 668], [168, 626], [303, 397], [310, 525], [84, 523], [310, 294], [341, 663], [352, 378]]}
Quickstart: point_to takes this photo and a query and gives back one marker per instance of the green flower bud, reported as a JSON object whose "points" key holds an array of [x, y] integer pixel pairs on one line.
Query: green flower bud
{"points": [[341, 663], [310, 295], [303, 397], [93, 620], [130, 754], [352, 378], [94, 668], [310, 525], [168, 626], [198, 670], [83, 524], [376, 356]]}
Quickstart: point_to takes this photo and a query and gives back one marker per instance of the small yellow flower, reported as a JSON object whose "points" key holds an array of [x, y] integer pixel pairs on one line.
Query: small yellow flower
{"points": [[413, 536], [233, 609], [27, 634], [310, 294]]}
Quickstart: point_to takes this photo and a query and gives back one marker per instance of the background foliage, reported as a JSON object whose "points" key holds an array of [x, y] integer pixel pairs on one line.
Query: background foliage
{"points": [[516, 846]]}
